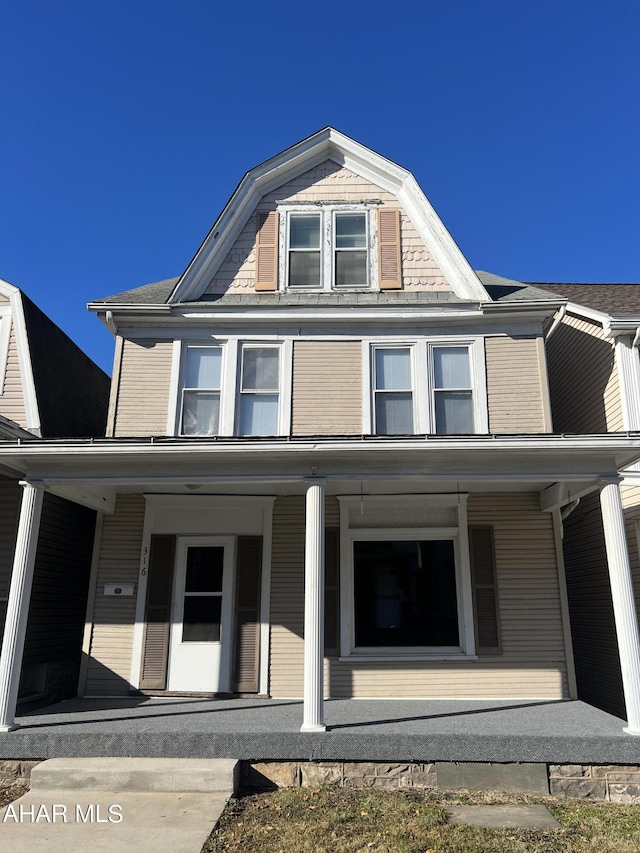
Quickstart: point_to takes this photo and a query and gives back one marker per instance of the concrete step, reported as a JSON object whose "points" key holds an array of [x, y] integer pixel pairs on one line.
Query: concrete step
{"points": [[198, 775]]}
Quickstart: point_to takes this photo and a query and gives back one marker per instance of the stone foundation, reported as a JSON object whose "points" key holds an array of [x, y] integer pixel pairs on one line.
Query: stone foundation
{"points": [[609, 782], [616, 783], [15, 772], [364, 774]]}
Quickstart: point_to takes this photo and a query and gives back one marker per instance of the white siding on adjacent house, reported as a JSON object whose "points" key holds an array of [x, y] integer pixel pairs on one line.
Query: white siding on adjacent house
{"points": [[585, 391], [143, 390], [12, 399], [515, 386], [114, 617], [327, 388], [328, 182], [533, 659]]}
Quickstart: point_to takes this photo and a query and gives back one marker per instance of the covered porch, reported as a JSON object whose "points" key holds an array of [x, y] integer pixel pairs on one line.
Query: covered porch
{"points": [[367, 475], [548, 732]]}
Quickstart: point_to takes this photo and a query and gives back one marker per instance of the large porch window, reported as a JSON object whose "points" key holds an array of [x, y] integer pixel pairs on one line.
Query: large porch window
{"points": [[405, 594], [405, 587]]}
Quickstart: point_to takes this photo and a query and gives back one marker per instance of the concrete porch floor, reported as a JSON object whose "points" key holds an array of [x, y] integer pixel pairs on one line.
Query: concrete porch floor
{"points": [[559, 732]]}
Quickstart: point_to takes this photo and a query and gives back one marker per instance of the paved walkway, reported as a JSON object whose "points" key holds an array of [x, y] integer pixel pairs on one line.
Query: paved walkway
{"points": [[562, 732], [77, 805], [115, 822]]}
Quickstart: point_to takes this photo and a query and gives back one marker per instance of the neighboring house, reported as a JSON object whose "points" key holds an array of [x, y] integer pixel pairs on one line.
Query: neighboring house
{"points": [[48, 389], [330, 466], [594, 373]]}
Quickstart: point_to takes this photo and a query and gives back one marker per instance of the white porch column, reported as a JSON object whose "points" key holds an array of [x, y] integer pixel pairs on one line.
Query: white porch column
{"points": [[313, 716], [15, 626], [624, 606]]}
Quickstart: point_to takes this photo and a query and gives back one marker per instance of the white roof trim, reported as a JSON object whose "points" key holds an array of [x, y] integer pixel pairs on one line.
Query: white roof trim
{"points": [[32, 412], [294, 161]]}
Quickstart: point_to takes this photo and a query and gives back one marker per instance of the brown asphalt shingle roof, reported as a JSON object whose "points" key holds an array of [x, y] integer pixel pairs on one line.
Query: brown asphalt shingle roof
{"points": [[619, 300]]}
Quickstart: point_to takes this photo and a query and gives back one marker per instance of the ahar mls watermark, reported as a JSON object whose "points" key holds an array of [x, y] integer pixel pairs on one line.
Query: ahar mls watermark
{"points": [[59, 813]]}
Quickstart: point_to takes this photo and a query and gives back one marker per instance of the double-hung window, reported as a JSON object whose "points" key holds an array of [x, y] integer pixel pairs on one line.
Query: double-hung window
{"points": [[427, 387], [327, 247], [259, 390], [351, 258], [305, 250], [393, 390], [233, 388], [452, 390], [201, 387]]}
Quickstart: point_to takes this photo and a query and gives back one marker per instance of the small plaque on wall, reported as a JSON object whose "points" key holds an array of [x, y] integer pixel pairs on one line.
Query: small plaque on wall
{"points": [[118, 589]]}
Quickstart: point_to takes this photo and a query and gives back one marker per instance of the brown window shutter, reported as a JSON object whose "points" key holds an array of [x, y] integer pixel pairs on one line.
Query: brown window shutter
{"points": [[157, 617], [389, 260], [331, 588], [485, 589], [267, 251], [247, 639]]}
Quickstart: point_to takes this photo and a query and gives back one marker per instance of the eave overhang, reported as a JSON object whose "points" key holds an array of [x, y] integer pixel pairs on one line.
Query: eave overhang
{"points": [[411, 310], [200, 459]]}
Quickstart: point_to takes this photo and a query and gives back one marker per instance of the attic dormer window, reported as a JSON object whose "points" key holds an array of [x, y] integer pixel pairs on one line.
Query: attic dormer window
{"points": [[327, 246], [304, 250], [324, 246], [345, 249]]}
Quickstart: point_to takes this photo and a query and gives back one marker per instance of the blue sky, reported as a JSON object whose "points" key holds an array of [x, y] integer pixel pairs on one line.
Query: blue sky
{"points": [[127, 125]]}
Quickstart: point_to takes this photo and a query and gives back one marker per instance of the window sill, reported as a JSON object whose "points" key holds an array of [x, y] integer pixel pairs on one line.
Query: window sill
{"points": [[355, 656]]}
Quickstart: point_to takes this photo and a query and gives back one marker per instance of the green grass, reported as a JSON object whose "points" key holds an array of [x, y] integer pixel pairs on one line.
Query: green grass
{"points": [[345, 820]]}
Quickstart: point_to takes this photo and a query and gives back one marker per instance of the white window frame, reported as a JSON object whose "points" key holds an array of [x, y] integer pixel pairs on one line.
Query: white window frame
{"points": [[228, 425], [327, 214], [183, 367], [282, 409], [424, 422], [464, 593], [374, 391]]}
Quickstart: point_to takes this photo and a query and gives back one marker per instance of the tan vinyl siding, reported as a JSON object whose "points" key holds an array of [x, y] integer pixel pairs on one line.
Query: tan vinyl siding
{"points": [[12, 396], [327, 388], [532, 663], [585, 392], [143, 392], [328, 182], [113, 617], [287, 597], [514, 386], [630, 497]]}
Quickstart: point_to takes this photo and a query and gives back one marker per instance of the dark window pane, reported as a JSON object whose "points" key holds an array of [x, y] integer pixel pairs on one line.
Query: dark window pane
{"points": [[304, 269], [454, 413], [394, 413], [201, 619], [304, 231], [405, 594], [351, 231], [260, 368], [351, 268], [204, 570], [200, 413]]}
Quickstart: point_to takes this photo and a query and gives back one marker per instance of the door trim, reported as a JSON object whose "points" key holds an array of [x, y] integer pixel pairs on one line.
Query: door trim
{"points": [[227, 622]]}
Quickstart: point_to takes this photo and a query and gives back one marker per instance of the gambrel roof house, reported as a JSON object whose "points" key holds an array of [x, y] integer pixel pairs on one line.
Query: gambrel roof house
{"points": [[48, 389], [330, 467]]}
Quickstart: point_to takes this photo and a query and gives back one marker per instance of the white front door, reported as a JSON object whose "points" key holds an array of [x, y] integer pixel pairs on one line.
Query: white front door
{"points": [[200, 647]]}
